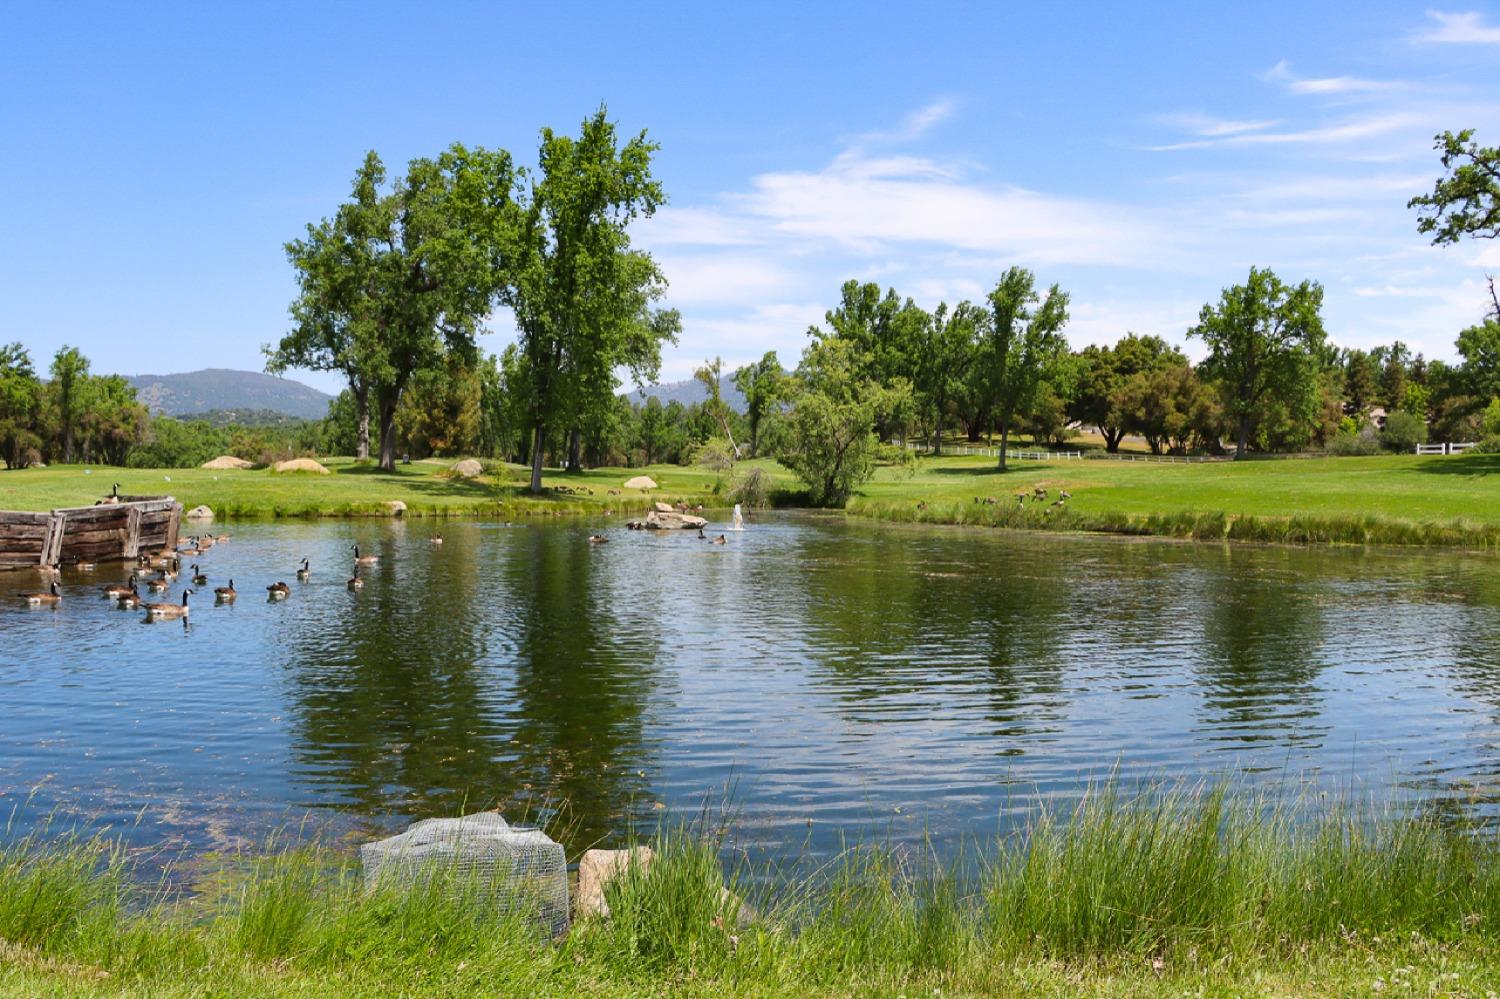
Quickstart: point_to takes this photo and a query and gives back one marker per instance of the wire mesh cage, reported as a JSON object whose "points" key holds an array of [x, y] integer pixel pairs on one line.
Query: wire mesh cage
{"points": [[511, 869]]}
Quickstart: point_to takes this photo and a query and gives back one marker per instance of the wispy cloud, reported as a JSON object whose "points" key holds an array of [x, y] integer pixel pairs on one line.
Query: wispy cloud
{"points": [[1210, 127], [911, 128], [1346, 131], [1326, 85], [1459, 29]]}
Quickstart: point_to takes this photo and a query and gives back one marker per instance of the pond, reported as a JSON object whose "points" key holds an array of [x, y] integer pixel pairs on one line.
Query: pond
{"points": [[815, 676]]}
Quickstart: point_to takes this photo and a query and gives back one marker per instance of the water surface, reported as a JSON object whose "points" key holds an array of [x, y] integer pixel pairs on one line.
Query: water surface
{"points": [[823, 675]]}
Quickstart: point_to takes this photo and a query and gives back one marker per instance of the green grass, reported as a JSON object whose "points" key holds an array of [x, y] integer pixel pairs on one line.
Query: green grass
{"points": [[1394, 499], [1168, 893], [357, 490]]}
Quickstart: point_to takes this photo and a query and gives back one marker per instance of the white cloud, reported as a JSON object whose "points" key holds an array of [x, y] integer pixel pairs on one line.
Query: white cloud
{"points": [[1210, 127], [729, 278], [1323, 86], [915, 125], [1347, 131], [694, 227], [1459, 29]]}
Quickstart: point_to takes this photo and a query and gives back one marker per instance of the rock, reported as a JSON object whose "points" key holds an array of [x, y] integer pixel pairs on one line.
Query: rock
{"points": [[466, 469], [394, 508], [199, 513], [641, 482], [671, 520], [299, 465], [663, 508], [596, 869], [227, 461]]}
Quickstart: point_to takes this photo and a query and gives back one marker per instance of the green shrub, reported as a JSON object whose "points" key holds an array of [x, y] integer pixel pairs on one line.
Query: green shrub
{"points": [[1403, 432]]}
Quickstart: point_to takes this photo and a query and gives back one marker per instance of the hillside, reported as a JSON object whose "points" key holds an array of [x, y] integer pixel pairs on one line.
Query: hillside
{"points": [[687, 392], [226, 389]]}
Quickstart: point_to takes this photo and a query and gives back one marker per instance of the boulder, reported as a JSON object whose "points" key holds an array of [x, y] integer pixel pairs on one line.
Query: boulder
{"points": [[662, 507], [599, 867], [641, 482], [227, 461], [200, 513], [299, 465], [394, 508], [671, 520], [466, 469]]}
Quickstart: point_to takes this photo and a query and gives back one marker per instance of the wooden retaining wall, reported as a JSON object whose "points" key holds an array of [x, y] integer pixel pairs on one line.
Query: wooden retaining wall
{"points": [[108, 532]]}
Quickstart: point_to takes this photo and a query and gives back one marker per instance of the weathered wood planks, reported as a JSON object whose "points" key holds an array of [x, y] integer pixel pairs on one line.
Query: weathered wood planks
{"points": [[103, 533]]}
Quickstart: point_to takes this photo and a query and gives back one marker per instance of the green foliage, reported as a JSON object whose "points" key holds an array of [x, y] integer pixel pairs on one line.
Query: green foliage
{"points": [[829, 443], [1171, 407], [1264, 338], [1101, 398], [21, 402], [764, 386], [1022, 341], [1466, 201], [1403, 432], [751, 489]]}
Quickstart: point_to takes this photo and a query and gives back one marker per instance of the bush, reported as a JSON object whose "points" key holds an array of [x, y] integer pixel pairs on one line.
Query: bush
{"points": [[1403, 432], [1348, 444], [1490, 445], [752, 490]]}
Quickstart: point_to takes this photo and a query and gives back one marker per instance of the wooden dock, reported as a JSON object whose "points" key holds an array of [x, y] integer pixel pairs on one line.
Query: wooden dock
{"points": [[106, 532]]}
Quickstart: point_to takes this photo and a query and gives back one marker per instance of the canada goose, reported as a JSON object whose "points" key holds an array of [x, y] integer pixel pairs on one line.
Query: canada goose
{"points": [[701, 535], [157, 612], [159, 584], [721, 540], [355, 583], [364, 559], [225, 594], [278, 591], [304, 573], [112, 498], [129, 601], [118, 590], [198, 578], [436, 539], [50, 599], [598, 539], [1063, 494], [221, 539]]}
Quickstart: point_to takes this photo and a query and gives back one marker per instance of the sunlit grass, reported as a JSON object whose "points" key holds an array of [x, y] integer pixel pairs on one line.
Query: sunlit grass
{"points": [[1152, 894]]}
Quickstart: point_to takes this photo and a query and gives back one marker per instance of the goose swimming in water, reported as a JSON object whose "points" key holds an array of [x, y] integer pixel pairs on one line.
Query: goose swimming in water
{"points": [[225, 594], [159, 584], [355, 583], [129, 601], [119, 590], [51, 598], [158, 612], [278, 591], [364, 559], [304, 573], [198, 578]]}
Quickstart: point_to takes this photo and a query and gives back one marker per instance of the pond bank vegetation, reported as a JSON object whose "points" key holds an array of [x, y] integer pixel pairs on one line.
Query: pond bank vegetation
{"points": [[1153, 894]]}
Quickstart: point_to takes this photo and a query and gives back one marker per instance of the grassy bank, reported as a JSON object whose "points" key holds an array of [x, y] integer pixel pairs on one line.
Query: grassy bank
{"points": [[358, 490], [1161, 895], [1388, 500]]}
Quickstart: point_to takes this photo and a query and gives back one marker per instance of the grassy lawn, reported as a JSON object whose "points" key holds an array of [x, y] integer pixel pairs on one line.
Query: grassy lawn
{"points": [[354, 489]]}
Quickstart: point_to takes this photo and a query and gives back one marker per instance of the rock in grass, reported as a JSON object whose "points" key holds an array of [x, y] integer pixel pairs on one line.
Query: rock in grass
{"points": [[641, 482], [599, 867], [466, 469], [299, 465], [394, 508], [224, 461]]}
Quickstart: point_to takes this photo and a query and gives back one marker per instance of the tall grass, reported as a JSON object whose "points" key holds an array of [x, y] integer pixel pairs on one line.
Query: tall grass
{"points": [[1331, 529], [1189, 879]]}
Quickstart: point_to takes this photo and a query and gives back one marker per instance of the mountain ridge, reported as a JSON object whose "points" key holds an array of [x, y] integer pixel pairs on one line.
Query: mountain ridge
{"points": [[207, 389]]}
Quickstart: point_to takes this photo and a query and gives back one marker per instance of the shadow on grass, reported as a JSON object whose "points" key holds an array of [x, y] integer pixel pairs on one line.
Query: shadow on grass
{"points": [[1461, 464]]}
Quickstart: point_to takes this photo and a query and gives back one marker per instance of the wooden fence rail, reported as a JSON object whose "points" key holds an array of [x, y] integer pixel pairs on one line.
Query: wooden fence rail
{"points": [[106, 532]]}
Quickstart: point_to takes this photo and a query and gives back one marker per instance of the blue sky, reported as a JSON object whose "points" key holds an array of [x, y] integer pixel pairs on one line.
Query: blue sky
{"points": [[156, 158]]}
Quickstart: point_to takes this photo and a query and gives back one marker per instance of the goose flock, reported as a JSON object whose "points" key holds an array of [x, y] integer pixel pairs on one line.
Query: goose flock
{"points": [[157, 573]]}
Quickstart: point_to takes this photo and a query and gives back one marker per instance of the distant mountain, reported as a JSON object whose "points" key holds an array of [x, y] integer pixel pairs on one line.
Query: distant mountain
{"points": [[689, 391], [225, 389], [245, 418]]}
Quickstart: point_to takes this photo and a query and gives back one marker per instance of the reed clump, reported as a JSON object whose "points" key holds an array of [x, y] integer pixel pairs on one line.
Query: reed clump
{"points": [[1137, 893]]}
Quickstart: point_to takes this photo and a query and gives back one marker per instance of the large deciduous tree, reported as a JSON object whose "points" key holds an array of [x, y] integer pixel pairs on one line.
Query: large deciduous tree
{"points": [[583, 300], [764, 385], [394, 280], [21, 400], [1264, 338], [1465, 202], [1103, 373], [945, 351], [67, 398], [1023, 339], [830, 443]]}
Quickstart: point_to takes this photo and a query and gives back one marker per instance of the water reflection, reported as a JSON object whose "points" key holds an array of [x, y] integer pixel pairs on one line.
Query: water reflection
{"points": [[837, 675]]}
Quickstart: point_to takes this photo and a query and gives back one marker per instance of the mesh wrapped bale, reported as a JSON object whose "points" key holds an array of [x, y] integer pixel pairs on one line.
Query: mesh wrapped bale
{"points": [[510, 868]]}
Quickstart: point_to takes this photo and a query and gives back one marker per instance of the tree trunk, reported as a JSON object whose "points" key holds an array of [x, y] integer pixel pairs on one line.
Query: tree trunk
{"points": [[1244, 438], [1112, 438], [388, 436], [1004, 442], [755, 438], [362, 423], [538, 445], [575, 451]]}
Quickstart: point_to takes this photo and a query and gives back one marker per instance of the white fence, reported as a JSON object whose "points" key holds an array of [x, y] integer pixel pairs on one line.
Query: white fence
{"points": [[1444, 448], [994, 452]]}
